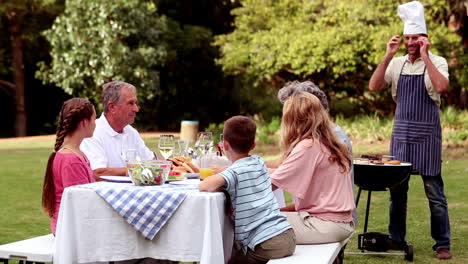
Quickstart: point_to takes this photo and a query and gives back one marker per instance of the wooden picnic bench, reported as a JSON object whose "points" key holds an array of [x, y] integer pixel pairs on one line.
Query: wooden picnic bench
{"points": [[316, 254]]}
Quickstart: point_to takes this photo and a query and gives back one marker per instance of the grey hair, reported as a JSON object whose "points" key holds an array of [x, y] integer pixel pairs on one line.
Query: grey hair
{"points": [[111, 92], [294, 87]]}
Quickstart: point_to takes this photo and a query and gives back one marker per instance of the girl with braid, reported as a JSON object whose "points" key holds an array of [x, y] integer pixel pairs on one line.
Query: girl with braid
{"points": [[67, 165]]}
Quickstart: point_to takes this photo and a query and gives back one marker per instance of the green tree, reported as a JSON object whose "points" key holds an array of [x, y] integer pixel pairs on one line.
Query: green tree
{"points": [[194, 87], [337, 44], [454, 15], [94, 42], [22, 29]]}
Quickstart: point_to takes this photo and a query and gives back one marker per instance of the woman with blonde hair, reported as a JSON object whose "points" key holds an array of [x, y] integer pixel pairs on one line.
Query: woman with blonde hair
{"points": [[67, 165], [315, 170]]}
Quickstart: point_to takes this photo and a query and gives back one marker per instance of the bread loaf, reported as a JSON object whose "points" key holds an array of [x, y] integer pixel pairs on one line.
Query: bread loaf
{"points": [[182, 164], [393, 162]]}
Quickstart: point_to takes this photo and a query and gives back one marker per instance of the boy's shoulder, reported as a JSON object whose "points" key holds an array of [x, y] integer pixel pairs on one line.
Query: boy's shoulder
{"points": [[252, 160], [247, 165]]}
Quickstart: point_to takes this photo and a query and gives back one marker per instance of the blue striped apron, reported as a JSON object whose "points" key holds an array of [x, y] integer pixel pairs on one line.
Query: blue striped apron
{"points": [[416, 136]]}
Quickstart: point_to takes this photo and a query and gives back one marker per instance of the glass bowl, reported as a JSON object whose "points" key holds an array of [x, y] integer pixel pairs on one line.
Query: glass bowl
{"points": [[149, 172]]}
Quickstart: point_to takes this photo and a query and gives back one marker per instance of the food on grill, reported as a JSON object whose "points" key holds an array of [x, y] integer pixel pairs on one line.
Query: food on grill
{"points": [[182, 164], [361, 161], [377, 159], [371, 157]]}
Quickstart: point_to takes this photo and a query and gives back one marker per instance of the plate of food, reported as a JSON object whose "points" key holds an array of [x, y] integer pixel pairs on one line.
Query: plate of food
{"points": [[117, 179]]}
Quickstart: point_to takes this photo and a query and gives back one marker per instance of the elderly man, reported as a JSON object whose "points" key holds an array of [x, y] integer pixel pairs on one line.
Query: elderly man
{"points": [[417, 80], [114, 135]]}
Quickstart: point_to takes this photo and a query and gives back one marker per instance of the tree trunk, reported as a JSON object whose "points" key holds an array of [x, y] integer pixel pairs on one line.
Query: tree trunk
{"points": [[14, 23]]}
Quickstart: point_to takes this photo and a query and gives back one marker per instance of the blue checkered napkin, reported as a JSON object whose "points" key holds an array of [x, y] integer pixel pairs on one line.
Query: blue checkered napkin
{"points": [[146, 208]]}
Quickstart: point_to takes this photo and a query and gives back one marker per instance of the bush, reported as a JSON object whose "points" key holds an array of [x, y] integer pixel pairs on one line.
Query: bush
{"points": [[268, 132], [366, 128], [369, 128], [455, 125], [216, 129]]}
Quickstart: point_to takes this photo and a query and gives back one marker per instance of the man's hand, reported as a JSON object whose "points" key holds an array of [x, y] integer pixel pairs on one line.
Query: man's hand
{"points": [[393, 45], [424, 46], [377, 81]]}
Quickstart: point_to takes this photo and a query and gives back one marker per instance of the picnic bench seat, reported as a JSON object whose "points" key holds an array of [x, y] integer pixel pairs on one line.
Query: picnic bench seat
{"points": [[316, 254], [33, 250]]}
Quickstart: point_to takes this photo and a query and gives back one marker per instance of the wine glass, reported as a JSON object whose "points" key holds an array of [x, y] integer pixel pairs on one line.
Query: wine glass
{"points": [[204, 142], [203, 145], [221, 144], [166, 145]]}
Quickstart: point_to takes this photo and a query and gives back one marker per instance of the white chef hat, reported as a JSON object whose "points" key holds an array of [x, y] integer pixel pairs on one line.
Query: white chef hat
{"points": [[412, 14]]}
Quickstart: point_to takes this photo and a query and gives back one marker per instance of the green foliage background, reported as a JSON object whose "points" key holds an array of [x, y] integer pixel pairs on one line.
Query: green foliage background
{"points": [[94, 42], [337, 44], [208, 60]]}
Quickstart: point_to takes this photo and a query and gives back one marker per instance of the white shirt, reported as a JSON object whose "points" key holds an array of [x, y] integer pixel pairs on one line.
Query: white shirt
{"points": [[107, 148], [392, 74]]}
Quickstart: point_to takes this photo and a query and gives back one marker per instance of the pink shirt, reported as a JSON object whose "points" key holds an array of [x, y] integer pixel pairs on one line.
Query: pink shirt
{"points": [[317, 184], [69, 170]]}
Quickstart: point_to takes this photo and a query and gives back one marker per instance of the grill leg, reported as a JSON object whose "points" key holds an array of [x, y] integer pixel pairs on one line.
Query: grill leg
{"points": [[358, 196], [369, 192]]}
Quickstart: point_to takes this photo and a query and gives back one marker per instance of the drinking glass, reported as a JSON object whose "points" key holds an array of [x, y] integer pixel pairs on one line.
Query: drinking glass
{"points": [[205, 163], [183, 147], [130, 155], [166, 145], [131, 159], [177, 151], [205, 172]]}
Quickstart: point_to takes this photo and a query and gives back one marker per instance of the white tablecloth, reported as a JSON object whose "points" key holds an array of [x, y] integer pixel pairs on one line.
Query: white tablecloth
{"points": [[89, 230]]}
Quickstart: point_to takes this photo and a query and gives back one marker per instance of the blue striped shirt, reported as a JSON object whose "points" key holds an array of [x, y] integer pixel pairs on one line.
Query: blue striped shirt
{"points": [[256, 212]]}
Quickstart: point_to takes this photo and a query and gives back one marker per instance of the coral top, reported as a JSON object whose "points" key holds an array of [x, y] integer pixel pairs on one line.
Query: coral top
{"points": [[317, 184], [69, 169]]}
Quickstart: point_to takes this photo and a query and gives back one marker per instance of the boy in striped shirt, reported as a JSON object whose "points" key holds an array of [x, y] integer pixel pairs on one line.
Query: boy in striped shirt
{"points": [[261, 232]]}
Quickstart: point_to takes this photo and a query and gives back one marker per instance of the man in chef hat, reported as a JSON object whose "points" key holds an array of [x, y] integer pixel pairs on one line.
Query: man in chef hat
{"points": [[417, 80]]}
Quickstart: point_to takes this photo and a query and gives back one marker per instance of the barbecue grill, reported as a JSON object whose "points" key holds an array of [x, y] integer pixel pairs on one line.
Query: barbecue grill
{"points": [[379, 177]]}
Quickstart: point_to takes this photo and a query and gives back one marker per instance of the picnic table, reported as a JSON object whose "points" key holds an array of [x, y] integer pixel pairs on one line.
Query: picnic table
{"points": [[89, 229]]}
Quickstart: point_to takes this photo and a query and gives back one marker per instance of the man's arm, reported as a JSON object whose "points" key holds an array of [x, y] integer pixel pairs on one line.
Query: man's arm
{"points": [[439, 81], [212, 183], [109, 171], [377, 81]]}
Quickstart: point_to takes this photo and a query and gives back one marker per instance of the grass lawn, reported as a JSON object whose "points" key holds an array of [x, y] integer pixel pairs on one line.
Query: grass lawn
{"points": [[23, 161]]}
